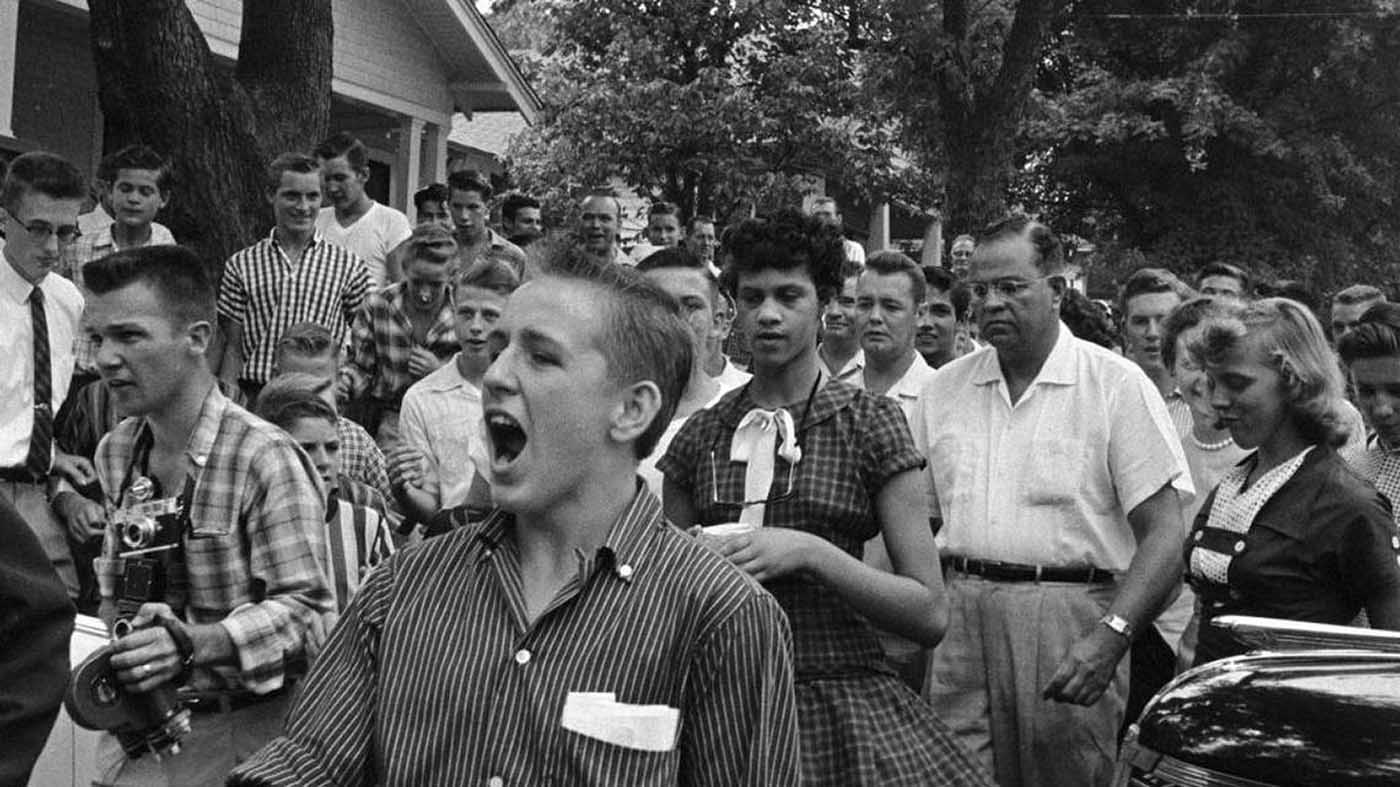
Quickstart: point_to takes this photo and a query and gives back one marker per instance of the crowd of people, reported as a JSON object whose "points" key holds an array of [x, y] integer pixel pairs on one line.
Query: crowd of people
{"points": [[441, 503]]}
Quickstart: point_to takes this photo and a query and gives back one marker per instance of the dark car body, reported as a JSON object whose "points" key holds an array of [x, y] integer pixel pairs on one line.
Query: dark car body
{"points": [[1315, 705]]}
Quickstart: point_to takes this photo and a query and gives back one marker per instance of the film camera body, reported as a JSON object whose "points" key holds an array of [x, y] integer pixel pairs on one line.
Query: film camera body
{"points": [[151, 534]]}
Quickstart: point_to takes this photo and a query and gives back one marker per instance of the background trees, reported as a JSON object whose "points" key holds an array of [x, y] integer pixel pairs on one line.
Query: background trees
{"points": [[159, 84]]}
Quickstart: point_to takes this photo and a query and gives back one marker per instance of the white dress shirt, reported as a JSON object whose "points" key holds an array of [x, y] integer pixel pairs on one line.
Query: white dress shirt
{"points": [[441, 416], [63, 309]]}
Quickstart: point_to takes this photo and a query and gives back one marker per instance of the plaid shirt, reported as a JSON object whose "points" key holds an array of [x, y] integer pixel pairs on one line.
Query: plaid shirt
{"points": [[90, 247], [361, 458], [255, 552], [266, 293], [381, 340]]}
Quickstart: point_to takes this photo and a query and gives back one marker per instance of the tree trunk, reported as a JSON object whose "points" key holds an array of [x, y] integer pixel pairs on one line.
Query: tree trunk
{"points": [[981, 125], [160, 85]]}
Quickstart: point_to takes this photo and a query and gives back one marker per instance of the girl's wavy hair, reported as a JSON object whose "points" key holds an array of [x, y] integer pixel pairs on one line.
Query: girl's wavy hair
{"points": [[1291, 340]]}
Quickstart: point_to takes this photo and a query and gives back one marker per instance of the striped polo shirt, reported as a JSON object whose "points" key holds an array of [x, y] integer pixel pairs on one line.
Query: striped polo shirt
{"points": [[435, 675], [266, 292]]}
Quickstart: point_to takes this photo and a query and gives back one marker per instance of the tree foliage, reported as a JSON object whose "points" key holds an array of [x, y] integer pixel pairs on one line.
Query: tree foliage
{"points": [[718, 107], [1262, 133], [159, 84]]}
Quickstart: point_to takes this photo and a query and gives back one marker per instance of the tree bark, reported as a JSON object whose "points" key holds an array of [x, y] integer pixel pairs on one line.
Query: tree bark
{"points": [[159, 84]]}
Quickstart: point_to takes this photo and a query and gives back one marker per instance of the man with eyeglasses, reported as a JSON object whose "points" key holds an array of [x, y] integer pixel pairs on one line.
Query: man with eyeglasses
{"points": [[40, 198], [1056, 482]]}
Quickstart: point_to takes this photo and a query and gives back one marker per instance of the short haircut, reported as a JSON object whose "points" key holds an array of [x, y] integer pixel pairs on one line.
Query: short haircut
{"points": [[514, 202], [663, 208], [942, 280], [644, 336], [1225, 269], [604, 194], [469, 180], [893, 263], [1087, 319], [696, 220], [433, 192], [1293, 290], [1049, 251], [490, 273], [288, 398], [308, 339], [960, 239], [1287, 336], [1358, 293], [1377, 335], [679, 257], [825, 200], [1187, 316], [41, 173], [175, 273], [344, 144], [1152, 281], [136, 157], [299, 163], [431, 243], [787, 240]]}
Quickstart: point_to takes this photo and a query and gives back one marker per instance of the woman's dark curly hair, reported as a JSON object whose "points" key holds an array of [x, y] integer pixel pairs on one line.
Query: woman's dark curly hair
{"points": [[786, 240], [1087, 320]]}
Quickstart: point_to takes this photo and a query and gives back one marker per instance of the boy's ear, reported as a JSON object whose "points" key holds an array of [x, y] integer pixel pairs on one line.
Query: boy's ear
{"points": [[639, 406]]}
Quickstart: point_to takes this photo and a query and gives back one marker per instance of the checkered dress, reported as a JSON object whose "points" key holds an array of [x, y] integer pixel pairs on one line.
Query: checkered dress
{"points": [[859, 723], [1381, 466]]}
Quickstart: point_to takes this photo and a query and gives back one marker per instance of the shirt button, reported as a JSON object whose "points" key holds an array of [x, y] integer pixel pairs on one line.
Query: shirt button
{"points": [[1239, 547], [1199, 535], [624, 571], [522, 657], [1395, 542], [496, 781]]}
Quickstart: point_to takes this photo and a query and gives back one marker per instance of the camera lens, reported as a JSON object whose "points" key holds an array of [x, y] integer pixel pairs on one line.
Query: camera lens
{"points": [[139, 534]]}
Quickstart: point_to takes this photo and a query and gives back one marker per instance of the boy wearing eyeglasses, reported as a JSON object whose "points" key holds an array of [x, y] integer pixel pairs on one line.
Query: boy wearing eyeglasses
{"points": [[39, 318]]}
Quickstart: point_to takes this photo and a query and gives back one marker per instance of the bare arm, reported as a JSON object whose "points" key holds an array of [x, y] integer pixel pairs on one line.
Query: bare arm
{"points": [[1088, 668], [229, 363]]}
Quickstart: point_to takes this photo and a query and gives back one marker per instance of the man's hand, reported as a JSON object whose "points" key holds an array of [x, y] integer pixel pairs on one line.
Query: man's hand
{"points": [[1088, 668], [78, 470], [405, 465], [422, 362], [85, 519], [147, 657]]}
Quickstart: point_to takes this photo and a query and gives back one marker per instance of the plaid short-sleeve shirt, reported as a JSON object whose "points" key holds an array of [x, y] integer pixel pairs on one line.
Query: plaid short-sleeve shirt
{"points": [[853, 443]]}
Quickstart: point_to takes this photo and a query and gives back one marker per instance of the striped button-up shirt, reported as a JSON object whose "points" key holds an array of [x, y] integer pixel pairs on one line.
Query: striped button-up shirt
{"points": [[436, 676], [266, 292], [381, 341], [255, 552]]}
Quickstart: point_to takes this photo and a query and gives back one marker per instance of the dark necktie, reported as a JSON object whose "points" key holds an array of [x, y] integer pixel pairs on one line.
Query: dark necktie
{"points": [[41, 437]]}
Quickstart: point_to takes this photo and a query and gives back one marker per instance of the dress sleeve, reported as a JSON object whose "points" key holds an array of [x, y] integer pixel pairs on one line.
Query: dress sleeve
{"points": [[683, 455], [1369, 552], [329, 738], [887, 446]]}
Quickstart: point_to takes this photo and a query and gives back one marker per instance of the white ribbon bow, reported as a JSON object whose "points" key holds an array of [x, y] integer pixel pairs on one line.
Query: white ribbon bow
{"points": [[755, 443]]}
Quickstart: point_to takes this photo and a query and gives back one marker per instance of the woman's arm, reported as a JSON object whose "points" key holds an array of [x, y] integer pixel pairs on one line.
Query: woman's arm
{"points": [[909, 602]]}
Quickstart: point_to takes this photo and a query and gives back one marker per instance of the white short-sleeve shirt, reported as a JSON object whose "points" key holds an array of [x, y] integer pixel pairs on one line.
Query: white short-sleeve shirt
{"points": [[371, 237], [1050, 480]]}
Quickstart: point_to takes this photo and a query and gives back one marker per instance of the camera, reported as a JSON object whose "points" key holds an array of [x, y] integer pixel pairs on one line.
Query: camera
{"points": [[147, 722]]}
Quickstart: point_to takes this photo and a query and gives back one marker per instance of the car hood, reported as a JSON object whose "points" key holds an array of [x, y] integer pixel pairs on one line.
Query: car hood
{"points": [[1304, 718]]}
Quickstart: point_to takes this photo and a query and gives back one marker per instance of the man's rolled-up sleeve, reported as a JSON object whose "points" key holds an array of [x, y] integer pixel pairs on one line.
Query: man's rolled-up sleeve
{"points": [[329, 739], [739, 724], [285, 514]]}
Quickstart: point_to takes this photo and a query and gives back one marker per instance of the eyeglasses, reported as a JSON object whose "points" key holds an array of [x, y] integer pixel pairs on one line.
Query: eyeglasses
{"points": [[39, 232], [1006, 288], [788, 490]]}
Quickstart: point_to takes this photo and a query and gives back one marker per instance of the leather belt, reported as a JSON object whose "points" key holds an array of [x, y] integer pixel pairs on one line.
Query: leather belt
{"points": [[1018, 572], [18, 475]]}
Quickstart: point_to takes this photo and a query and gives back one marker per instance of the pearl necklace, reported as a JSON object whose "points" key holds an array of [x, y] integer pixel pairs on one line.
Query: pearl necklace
{"points": [[1196, 441]]}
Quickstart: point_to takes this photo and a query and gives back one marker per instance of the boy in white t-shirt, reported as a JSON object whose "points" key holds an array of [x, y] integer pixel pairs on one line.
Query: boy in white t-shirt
{"points": [[353, 220]]}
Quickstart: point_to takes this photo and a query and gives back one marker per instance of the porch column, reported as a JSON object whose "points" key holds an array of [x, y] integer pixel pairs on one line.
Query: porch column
{"points": [[879, 229], [9, 37], [407, 163], [433, 168]]}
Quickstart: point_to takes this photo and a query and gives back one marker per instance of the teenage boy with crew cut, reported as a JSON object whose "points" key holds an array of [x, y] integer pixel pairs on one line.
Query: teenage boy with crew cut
{"points": [[573, 637]]}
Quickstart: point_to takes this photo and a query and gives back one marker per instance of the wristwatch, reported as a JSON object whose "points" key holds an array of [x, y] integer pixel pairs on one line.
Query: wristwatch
{"points": [[1118, 625]]}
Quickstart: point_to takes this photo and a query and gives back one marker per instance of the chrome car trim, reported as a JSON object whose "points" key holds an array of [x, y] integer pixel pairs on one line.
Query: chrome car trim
{"points": [[1150, 769], [1274, 634]]}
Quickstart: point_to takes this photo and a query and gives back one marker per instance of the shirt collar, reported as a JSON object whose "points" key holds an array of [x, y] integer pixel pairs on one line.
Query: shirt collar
{"points": [[272, 239], [912, 381], [625, 549], [206, 427], [14, 284], [829, 400], [1061, 367]]}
